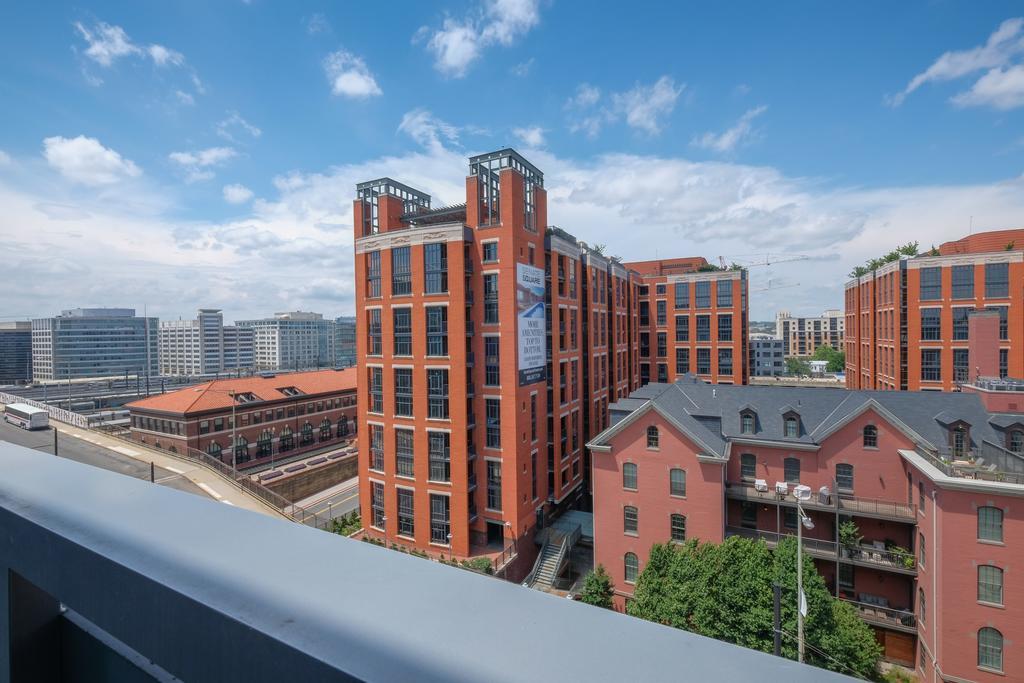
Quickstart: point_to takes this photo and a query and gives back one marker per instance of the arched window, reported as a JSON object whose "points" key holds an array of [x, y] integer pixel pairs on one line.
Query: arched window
{"points": [[632, 567], [342, 426], [748, 466], [677, 482], [214, 449], [990, 524], [792, 427], [629, 476], [652, 437], [920, 549], [990, 584], [990, 649], [920, 605], [844, 477], [678, 528], [1015, 441], [265, 444], [287, 439], [325, 429], [871, 436], [307, 433], [791, 470], [241, 448], [630, 519]]}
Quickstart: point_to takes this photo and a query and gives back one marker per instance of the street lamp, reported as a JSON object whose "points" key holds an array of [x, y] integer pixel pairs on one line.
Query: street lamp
{"points": [[802, 494]]}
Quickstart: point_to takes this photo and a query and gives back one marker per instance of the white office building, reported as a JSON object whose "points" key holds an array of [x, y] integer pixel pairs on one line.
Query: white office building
{"points": [[204, 346], [296, 340]]}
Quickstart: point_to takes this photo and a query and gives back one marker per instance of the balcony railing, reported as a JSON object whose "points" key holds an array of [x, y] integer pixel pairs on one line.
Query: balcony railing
{"points": [[878, 557], [816, 547], [847, 504], [106, 577], [899, 619], [471, 481]]}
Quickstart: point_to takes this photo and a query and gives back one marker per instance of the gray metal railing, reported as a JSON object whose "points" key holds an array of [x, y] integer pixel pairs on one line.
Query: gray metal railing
{"points": [[142, 568], [877, 556], [885, 615], [813, 545]]}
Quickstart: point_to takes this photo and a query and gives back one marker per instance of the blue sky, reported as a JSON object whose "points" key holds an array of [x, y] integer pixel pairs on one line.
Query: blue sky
{"points": [[204, 154]]}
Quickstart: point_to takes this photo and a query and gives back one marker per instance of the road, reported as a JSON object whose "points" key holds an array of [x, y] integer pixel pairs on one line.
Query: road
{"points": [[336, 501], [82, 451]]}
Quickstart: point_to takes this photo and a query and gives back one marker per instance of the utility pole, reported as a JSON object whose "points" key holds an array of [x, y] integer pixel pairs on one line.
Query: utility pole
{"points": [[777, 593]]}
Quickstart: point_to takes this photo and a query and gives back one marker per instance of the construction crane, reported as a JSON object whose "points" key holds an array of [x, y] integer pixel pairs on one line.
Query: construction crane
{"points": [[769, 260]]}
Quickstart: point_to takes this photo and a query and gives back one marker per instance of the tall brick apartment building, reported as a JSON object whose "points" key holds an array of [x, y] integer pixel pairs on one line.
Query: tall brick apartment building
{"points": [[908, 322], [489, 347]]}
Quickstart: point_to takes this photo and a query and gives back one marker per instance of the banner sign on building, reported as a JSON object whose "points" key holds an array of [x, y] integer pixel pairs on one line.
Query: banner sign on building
{"points": [[531, 328]]}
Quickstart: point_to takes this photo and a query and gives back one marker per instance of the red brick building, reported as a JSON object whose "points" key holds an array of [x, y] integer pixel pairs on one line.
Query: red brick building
{"points": [[490, 345], [278, 415], [933, 482], [907, 323]]}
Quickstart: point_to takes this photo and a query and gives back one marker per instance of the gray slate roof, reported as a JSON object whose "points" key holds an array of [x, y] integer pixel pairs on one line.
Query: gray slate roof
{"points": [[712, 412]]}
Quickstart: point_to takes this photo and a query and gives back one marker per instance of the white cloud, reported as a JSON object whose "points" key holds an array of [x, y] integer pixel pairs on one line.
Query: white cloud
{"points": [[237, 194], [198, 164], [427, 130], [522, 69], [532, 136], [349, 76], [106, 43], [233, 124], [730, 139], [999, 88], [317, 24], [163, 56], [5, 158], [645, 106], [85, 161], [300, 240], [460, 42], [1001, 47]]}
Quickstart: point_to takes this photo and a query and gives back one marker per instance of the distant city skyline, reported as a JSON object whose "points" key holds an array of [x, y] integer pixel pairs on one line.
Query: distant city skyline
{"points": [[151, 161]]}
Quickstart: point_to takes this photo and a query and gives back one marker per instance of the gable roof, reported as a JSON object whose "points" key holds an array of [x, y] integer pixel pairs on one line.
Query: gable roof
{"points": [[216, 394], [708, 411]]}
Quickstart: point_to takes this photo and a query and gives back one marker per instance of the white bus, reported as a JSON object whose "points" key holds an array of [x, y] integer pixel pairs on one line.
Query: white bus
{"points": [[26, 416]]}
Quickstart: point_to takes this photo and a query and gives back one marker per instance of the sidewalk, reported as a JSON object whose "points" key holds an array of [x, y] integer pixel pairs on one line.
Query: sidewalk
{"points": [[211, 483]]}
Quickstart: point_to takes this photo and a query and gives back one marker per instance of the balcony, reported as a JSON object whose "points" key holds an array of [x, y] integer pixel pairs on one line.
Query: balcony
{"points": [[864, 556], [471, 481], [886, 617], [825, 550], [109, 578], [845, 504]]}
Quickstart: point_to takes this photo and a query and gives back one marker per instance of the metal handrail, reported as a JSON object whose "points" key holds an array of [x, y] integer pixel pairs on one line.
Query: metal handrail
{"points": [[893, 558], [904, 617], [774, 537]]}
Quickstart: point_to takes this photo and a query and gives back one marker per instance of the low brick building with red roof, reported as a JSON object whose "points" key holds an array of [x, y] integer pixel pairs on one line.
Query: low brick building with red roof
{"points": [[278, 415]]}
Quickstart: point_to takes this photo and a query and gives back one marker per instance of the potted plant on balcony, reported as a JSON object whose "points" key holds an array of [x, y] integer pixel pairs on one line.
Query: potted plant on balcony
{"points": [[849, 536]]}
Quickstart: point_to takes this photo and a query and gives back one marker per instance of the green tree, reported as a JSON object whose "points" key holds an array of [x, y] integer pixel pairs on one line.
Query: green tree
{"points": [[797, 366], [598, 589], [725, 591], [836, 359]]}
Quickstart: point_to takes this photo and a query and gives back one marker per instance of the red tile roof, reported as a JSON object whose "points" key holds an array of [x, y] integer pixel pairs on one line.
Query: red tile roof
{"points": [[217, 393]]}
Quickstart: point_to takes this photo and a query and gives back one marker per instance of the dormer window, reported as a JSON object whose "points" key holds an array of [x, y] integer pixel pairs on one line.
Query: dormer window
{"points": [[290, 391], [1015, 441], [747, 422], [959, 440], [791, 426]]}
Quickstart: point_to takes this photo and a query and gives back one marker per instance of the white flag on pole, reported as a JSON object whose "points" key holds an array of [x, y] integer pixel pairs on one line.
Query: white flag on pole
{"points": [[803, 604]]}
